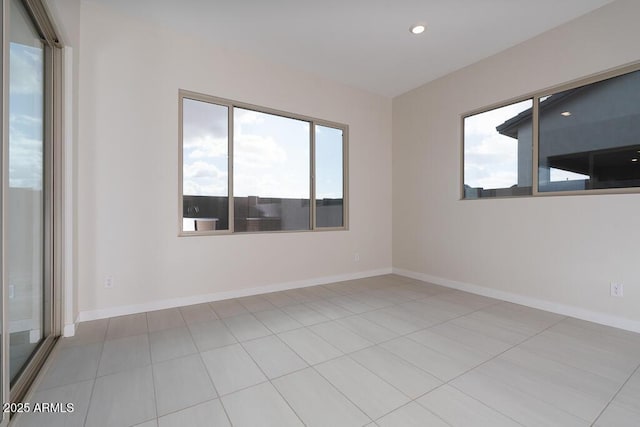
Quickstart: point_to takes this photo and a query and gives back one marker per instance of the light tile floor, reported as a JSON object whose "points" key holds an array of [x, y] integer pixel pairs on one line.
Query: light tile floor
{"points": [[386, 351]]}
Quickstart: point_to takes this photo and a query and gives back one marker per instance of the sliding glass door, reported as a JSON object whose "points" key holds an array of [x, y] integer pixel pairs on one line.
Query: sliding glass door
{"points": [[25, 210], [29, 207]]}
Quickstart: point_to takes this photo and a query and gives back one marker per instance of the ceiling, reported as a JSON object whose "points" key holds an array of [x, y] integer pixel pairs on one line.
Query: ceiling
{"points": [[363, 43]]}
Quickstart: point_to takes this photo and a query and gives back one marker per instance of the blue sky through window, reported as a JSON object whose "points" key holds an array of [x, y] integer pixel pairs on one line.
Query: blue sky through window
{"points": [[25, 116]]}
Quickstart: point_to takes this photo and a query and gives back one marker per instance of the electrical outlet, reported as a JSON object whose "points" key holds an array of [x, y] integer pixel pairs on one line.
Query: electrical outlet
{"points": [[356, 257], [617, 289], [108, 282]]}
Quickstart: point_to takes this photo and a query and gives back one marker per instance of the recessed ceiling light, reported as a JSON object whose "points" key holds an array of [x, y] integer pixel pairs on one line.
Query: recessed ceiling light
{"points": [[566, 113], [417, 29], [634, 160]]}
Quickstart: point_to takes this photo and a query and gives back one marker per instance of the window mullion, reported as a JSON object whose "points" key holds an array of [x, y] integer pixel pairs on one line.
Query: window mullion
{"points": [[230, 141], [535, 147], [312, 171]]}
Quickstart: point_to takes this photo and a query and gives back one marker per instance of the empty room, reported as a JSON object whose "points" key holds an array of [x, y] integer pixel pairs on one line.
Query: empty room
{"points": [[333, 213]]}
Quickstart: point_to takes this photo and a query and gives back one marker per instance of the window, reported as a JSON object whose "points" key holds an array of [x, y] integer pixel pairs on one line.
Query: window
{"points": [[588, 140], [329, 177], [590, 136], [497, 160], [250, 169]]}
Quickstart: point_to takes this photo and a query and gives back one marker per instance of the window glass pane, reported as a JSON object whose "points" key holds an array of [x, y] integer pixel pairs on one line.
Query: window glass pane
{"points": [[271, 172], [497, 152], [590, 136], [329, 177], [26, 195], [205, 151]]}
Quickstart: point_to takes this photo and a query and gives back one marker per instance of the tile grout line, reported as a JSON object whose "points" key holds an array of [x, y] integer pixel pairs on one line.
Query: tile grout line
{"points": [[95, 378], [362, 291], [616, 395], [523, 391], [309, 366], [215, 389], [271, 383], [153, 375]]}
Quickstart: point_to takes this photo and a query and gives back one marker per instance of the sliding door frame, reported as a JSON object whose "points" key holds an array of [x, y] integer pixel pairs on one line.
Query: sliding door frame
{"points": [[53, 214]]}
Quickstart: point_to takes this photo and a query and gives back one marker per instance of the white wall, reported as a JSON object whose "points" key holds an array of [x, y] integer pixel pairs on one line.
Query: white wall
{"points": [[551, 250], [130, 73]]}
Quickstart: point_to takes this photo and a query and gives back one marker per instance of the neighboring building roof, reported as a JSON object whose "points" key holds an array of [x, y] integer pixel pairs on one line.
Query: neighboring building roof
{"points": [[510, 127]]}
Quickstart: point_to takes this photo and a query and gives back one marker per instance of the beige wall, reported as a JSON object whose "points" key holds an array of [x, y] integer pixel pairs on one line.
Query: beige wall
{"points": [[130, 73], [562, 250]]}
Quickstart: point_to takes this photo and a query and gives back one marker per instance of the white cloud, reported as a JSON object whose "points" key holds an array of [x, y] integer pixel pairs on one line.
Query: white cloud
{"points": [[491, 162], [205, 146], [491, 159], [26, 69], [247, 117], [258, 152], [204, 179], [25, 162], [25, 151]]}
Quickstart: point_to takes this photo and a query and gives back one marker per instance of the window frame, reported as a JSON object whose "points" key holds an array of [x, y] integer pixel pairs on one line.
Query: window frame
{"points": [[583, 81], [313, 122]]}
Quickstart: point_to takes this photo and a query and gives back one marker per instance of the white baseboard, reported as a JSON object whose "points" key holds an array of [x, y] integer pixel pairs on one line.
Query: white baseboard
{"points": [[69, 330], [563, 309], [104, 313]]}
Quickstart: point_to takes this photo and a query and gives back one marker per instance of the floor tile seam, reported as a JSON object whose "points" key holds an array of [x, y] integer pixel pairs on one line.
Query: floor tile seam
{"points": [[86, 415], [98, 375], [153, 382], [421, 406], [272, 331], [548, 403], [332, 358], [367, 320], [300, 356], [127, 369], [341, 392], [269, 381], [558, 387], [211, 304], [562, 362], [213, 384], [311, 324], [197, 321], [424, 345], [228, 328], [477, 400], [175, 411], [524, 337], [155, 362], [480, 334], [616, 395], [392, 315], [203, 362], [286, 345], [585, 371], [468, 348], [282, 332], [553, 404], [332, 318], [380, 378], [501, 353], [56, 355], [184, 323]]}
